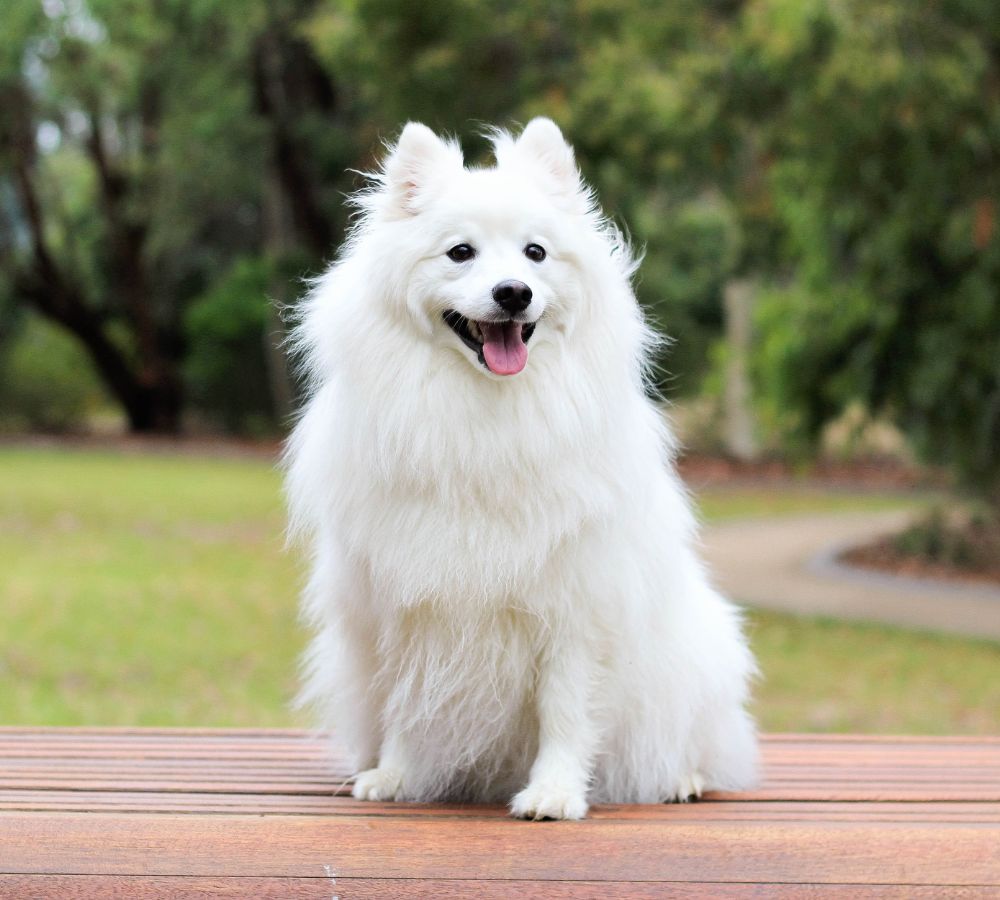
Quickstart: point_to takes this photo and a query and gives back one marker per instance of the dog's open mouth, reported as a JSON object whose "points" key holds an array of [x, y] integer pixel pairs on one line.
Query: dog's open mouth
{"points": [[501, 346]]}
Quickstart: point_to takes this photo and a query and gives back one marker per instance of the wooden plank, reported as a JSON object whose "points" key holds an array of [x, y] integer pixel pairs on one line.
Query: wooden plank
{"points": [[940, 791], [157, 813], [140, 887], [448, 848], [269, 804], [833, 768], [300, 737]]}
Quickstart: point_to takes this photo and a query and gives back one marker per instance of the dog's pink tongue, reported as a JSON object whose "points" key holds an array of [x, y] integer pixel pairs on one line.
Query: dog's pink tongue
{"points": [[503, 347]]}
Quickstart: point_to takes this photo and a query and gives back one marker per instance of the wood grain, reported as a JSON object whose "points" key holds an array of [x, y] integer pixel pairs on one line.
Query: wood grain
{"points": [[493, 848], [78, 887], [286, 763], [158, 813]]}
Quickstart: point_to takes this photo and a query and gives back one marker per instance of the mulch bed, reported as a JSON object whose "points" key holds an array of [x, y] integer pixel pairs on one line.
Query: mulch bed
{"points": [[884, 556], [875, 474]]}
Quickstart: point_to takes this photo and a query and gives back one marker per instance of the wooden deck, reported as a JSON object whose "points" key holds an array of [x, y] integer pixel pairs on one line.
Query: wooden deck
{"points": [[152, 813]]}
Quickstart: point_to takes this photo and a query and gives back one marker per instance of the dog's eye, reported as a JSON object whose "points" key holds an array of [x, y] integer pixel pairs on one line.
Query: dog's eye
{"points": [[461, 253], [535, 252]]}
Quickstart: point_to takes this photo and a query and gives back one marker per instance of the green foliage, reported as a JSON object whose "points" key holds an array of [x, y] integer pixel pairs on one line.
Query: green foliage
{"points": [[163, 85], [152, 178], [842, 155], [226, 365], [46, 381], [963, 542], [691, 249], [627, 83], [889, 183]]}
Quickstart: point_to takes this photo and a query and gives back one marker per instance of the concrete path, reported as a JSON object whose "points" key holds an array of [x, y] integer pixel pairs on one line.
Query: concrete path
{"points": [[789, 564]]}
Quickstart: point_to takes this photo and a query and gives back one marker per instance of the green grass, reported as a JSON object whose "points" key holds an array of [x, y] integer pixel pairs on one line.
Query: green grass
{"points": [[153, 590], [144, 590], [821, 675], [740, 501]]}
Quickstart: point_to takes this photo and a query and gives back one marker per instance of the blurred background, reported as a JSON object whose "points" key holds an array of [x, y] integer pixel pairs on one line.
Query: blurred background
{"points": [[816, 186]]}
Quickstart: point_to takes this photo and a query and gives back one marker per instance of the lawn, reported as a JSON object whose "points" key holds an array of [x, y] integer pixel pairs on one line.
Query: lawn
{"points": [[152, 589], [739, 501], [142, 589]]}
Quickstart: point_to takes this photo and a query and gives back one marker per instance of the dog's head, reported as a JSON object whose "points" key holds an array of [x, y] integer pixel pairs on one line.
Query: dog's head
{"points": [[489, 261]]}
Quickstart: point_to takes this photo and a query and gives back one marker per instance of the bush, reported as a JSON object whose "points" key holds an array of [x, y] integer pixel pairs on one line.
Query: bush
{"points": [[227, 368], [965, 542], [689, 254], [47, 382]]}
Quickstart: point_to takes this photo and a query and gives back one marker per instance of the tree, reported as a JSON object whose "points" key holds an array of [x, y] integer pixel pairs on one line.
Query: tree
{"points": [[185, 136], [840, 155], [631, 83], [889, 184], [159, 124]]}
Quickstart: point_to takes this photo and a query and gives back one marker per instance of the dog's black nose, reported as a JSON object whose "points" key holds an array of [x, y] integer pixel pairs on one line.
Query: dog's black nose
{"points": [[513, 296]]}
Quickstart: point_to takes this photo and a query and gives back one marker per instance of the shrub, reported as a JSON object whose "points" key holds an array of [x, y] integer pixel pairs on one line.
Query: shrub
{"points": [[965, 542], [226, 370], [47, 382]]}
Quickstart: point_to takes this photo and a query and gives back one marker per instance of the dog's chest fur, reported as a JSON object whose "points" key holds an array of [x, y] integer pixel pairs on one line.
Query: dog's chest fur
{"points": [[468, 499]]}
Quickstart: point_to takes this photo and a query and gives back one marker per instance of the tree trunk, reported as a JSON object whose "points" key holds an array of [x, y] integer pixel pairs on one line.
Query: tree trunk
{"points": [[286, 77], [151, 399], [276, 242], [157, 406]]}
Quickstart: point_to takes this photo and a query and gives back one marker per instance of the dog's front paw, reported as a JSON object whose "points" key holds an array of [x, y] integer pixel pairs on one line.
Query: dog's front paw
{"points": [[378, 784], [542, 800], [690, 788]]}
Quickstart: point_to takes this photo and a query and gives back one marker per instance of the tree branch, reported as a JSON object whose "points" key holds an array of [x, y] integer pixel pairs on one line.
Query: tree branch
{"points": [[44, 285]]}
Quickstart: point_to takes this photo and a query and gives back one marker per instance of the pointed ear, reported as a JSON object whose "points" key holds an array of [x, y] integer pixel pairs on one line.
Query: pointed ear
{"points": [[543, 142], [542, 149], [418, 161]]}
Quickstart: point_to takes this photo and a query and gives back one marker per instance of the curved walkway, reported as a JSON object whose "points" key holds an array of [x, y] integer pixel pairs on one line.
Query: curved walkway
{"points": [[789, 564]]}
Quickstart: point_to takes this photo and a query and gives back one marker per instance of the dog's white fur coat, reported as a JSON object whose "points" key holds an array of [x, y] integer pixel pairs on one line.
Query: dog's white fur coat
{"points": [[505, 592]]}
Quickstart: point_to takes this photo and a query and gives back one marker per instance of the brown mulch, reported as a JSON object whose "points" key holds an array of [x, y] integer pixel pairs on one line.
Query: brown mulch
{"points": [[888, 474], [883, 556]]}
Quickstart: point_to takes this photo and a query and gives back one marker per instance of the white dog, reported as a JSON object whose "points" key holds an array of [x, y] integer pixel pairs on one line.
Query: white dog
{"points": [[505, 594]]}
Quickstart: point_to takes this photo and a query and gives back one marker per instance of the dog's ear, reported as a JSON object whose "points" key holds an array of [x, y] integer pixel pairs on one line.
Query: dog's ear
{"points": [[418, 161], [542, 149], [543, 141]]}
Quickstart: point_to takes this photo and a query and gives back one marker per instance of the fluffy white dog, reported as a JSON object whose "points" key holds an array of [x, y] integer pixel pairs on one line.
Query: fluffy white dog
{"points": [[505, 594]]}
